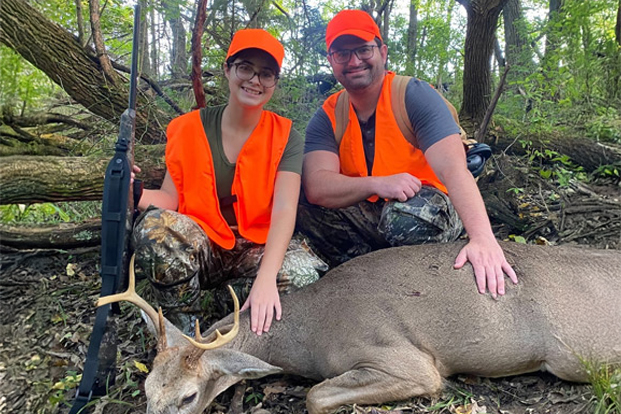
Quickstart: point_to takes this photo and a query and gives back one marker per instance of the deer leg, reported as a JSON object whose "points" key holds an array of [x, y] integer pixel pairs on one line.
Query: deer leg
{"points": [[381, 381]]}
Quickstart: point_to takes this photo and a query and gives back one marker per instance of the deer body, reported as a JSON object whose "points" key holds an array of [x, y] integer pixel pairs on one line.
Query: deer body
{"points": [[392, 324]]}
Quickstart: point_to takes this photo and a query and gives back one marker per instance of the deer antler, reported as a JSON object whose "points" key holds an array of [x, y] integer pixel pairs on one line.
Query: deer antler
{"points": [[220, 339], [130, 295]]}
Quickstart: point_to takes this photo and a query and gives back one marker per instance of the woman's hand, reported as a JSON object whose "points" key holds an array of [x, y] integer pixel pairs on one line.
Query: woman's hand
{"points": [[264, 304], [135, 171]]}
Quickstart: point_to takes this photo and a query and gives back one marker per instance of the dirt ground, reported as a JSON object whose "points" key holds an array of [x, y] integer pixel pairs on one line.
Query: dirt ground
{"points": [[47, 297]]}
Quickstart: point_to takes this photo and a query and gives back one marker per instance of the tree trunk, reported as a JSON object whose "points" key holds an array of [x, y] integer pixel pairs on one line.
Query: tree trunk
{"points": [[412, 37], [144, 65], [445, 41], [32, 179], [498, 54], [197, 54], [57, 53], [482, 21], [80, 21], [178, 53], [553, 36], [155, 46], [517, 49], [386, 16]]}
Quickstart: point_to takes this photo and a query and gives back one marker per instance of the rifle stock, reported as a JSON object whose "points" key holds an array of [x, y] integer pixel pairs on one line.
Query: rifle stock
{"points": [[116, 220]]}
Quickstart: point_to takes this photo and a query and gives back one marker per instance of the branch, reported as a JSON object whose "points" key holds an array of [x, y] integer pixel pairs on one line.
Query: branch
{"points": [[153, 84], [480, 134], [100, 47]]}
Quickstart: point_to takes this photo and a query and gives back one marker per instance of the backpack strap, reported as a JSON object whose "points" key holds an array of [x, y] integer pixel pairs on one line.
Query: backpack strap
{"points": [[397, 97], [341, 111], [399, 86]]}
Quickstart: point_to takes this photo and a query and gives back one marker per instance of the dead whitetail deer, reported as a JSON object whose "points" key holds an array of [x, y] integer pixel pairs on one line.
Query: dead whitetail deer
{"points": [[392, 324]]}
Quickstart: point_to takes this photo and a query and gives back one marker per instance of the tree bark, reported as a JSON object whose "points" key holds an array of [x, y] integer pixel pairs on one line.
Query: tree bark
{"points": [[80, 21], [481, 133], [44, 144], [197, 54], [517, 50], [387, 9], [585, 152], [55, 236], [144, 65], [32, 179], [58, 53], [444, 58], [498, 54], [480, 33], [37, 119], [100, 47], [178, 53], [155, 47]]}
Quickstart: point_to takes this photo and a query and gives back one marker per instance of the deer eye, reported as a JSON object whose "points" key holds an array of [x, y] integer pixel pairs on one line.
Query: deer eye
{"points": [[188, 399]]}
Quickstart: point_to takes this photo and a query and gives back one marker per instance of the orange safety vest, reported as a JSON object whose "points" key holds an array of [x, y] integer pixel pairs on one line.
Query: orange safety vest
{"points": [[190, 164], [393, 153]]}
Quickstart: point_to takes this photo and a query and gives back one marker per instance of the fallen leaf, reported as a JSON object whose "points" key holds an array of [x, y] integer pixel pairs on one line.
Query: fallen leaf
{"points": [[464, 409], [273, 389], [141, 367], [71, 269]]}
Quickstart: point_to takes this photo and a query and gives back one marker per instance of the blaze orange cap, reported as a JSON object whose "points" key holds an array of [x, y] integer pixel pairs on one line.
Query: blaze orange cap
{"points": [[256, 39], [352, 22]]}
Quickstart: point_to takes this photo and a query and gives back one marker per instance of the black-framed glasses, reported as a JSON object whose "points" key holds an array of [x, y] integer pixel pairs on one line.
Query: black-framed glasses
{"points": [[245, 72], [363, 53]]}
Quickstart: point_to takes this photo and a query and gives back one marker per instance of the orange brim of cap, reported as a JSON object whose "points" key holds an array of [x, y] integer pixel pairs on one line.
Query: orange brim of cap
{"points": [[362, 34], [257, 39]]}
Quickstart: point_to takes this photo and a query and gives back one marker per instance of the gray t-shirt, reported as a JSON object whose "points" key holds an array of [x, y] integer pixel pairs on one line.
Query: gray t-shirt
{"points": [[224, 170], [430, 118]]}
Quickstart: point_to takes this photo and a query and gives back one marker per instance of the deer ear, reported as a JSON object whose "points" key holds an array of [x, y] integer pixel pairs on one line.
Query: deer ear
{"points": [[243, 365]]}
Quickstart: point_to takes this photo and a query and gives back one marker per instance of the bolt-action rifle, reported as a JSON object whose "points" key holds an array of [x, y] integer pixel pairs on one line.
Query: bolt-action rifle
{"points": [[116, 225]]}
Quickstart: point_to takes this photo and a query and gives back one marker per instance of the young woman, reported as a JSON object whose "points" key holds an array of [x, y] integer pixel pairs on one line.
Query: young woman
{"points": [[226, 208]]}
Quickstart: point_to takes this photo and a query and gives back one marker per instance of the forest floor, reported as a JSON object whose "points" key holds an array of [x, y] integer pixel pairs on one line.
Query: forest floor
{"points": [[47, 297]]}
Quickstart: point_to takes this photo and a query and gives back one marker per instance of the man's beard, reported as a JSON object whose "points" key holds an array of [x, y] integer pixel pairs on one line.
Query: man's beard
{"points": [[361, 81]]}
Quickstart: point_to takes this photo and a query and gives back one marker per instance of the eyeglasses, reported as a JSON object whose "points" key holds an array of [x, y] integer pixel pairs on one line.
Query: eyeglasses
{"points": [[245, 72], [363, 53]]}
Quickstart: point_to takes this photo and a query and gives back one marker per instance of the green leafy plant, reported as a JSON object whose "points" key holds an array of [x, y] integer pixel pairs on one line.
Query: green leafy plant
{"points": [[49, 212], [254, 397], [456, 397], [606, 383], [59, 390], [608, 170], [550, 164]]}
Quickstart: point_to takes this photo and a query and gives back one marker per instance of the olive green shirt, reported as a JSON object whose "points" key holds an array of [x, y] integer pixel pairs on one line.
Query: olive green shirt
{"points": [[225, 170]]}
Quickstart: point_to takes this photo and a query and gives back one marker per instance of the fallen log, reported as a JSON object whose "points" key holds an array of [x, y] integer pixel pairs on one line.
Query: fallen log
{"points": [[585, 152], [53, 236], [36, 179]]}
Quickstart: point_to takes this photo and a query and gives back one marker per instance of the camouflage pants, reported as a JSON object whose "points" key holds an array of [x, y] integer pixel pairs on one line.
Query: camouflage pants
{"points": [[338, 235], [175, 255]]}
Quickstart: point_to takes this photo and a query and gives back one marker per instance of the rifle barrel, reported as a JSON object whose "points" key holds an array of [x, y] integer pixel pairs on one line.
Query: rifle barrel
{"points": [[134, 69]]}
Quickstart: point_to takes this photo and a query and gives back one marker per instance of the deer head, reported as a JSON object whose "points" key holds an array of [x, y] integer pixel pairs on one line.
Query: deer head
{"points": [[188, 373]]}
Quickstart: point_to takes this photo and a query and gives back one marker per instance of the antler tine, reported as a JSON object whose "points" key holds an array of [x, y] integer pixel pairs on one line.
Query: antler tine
{"points": [[220, 339], [131, 296], [162, 343]]}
